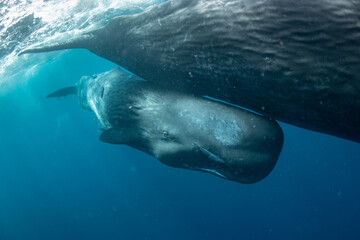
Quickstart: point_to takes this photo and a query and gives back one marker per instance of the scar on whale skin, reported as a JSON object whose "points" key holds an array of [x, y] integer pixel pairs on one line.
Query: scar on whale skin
{"points": [[180, 130]]}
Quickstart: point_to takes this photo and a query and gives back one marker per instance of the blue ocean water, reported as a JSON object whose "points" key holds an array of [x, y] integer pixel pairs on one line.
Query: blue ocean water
{"points": [[58, 181]]}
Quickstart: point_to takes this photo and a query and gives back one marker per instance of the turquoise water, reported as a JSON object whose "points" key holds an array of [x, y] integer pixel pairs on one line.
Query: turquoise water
{"points": [[58, 181]]}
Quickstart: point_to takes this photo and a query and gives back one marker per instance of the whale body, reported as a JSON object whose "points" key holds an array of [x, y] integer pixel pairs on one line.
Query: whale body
{"points": [[296, 61], [180, 130]]}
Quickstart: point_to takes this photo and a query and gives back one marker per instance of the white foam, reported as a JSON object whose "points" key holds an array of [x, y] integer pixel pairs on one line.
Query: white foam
{"points": [[44, 21]]}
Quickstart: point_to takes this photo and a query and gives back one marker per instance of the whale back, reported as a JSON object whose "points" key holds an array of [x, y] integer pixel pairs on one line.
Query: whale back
{"points": [[297, 62]]}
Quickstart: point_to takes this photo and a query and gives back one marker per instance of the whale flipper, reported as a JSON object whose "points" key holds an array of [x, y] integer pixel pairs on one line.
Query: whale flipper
{"points": [[118, 136], [79, 42], [63, 92]]}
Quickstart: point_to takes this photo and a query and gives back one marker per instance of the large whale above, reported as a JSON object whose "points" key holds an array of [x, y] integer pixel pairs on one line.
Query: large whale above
{"points": [[297, 61], [180, 130]]}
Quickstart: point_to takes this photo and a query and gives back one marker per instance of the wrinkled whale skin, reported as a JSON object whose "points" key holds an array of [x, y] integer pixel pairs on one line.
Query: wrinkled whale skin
{"points": [[296, 61], [180, 130]]}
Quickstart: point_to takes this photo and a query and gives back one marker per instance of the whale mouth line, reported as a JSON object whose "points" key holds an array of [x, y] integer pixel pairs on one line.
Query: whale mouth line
{"points": [[207, 170]]}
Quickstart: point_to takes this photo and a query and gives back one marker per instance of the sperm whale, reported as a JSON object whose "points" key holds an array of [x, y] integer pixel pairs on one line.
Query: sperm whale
{"points": [[296, 61], [180, 130]]}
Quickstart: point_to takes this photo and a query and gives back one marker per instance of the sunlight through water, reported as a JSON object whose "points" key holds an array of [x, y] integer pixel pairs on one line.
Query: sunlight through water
{"points": [[24, 23]]}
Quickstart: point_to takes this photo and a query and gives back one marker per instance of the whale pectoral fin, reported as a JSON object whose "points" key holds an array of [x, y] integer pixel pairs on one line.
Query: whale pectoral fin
{"points": [[117, 136], [63, 92], [79, 42], [209, 154]]}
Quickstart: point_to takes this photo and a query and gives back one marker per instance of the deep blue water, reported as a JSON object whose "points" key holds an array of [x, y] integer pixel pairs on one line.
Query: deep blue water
{"points": [[58, 181]]}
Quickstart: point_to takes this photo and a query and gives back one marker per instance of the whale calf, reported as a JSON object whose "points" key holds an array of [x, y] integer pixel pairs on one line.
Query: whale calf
{"points": [[296, 61], [180, 130]]}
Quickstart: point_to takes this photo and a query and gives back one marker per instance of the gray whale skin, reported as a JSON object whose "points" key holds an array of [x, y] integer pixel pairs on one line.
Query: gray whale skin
{"points": [[180, 130], [296, 61]]}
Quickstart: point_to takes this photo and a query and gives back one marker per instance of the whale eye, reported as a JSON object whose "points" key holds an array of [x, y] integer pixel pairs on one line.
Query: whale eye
{"points": [[164, 135]]}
